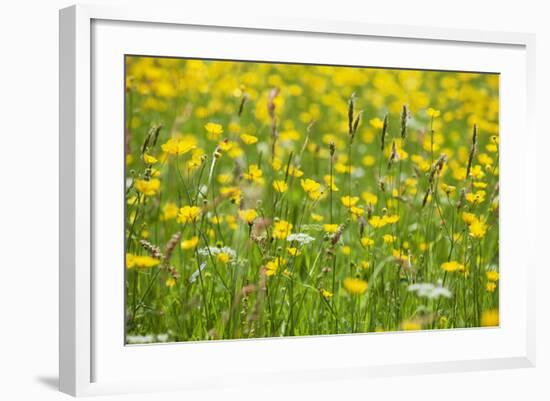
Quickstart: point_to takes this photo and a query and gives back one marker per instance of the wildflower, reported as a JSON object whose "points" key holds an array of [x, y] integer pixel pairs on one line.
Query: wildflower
{"points": [[377, 222], [329, 182], [191, 243], [301, 238], [480, 184], [376, 123], [215, 251], [391, 219], [223, 258], [224, 179], [452, 266], [248, 215], [490, 318], [148, 188], [369, 198], [492, 275], [330, 228], [478, 229], [368, 160], [317, 217], [476, 198], [148, 159], [233, 194], [249, 139], [254, 174], [468, 218], [280, 186], [349, 201], [491, 147], [282, 229], [170, 282], [311, 187], [214, 130], [326, 293], [448, 189], [273, 266], [433, 112], [355, 286], [138, 261], [399, 256], [429, 290], [169, 211], [388, 239], [346, 250], [295, 172], [411, 325], [293, 251], [366, 241], [357, 211], [188, 214], [491, 286], [178, 147], [364, 264]]}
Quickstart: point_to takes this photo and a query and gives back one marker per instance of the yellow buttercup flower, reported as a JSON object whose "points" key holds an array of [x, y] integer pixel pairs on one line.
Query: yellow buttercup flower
{"points": [[391, 219], [138, 261], [477, 229], [388, 239], [490, 318], [311, 187], [272, 267], [293, 251], [189, 244], [326, 293], [248, 215], [253, 174], [179, 146], [452, 266], [329, 182], [357, 211], [188, 214], [346, 250], [492, 275], [295, 172], [223, 258], [349, 201], [147, 158], [317, 217], [369, 198], [249, 139], [282, 229], [169, 211], [376, 123], [476, 198], [148, 188], [433, 112], [377, 222], [468, 218], [411, 325], [355, 286], [280, 186], [330, 228], [366, 241], [214, 130]]}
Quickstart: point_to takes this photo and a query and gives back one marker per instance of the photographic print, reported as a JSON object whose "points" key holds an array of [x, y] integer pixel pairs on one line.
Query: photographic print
{"points": [[267, 199]]}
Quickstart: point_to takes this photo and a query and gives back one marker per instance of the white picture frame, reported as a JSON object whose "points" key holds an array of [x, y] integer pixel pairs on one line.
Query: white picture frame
{"points": [[79, 315]]}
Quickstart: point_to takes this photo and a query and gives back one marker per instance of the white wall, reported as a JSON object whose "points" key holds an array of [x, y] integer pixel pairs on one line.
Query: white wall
{"points": [[29, 184]]}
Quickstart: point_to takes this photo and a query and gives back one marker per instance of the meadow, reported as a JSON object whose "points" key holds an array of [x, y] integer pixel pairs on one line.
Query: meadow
{"points": [[269, 200]]}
